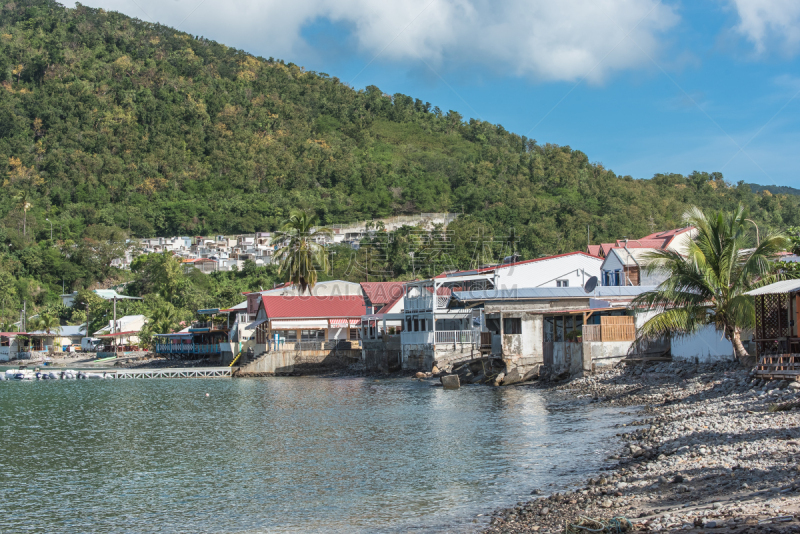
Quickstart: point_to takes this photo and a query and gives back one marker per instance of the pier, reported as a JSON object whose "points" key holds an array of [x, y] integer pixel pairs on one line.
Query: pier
{"points": [[189, 372]]}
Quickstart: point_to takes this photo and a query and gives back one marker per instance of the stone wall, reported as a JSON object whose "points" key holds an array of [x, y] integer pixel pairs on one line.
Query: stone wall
{"points": [[289, 361], [382, 355]]}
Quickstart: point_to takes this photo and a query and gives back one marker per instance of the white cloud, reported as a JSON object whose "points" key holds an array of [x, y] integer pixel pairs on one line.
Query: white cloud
{"points": [[542, 39], [768, 23]]}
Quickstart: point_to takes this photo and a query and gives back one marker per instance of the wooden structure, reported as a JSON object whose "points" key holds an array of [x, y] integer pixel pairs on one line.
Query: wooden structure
{"points": [[776, 336], [611, 328]]}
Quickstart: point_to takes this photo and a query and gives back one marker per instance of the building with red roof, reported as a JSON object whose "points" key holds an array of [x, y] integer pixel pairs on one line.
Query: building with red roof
{"points": [[675, 239], [306, 318]]}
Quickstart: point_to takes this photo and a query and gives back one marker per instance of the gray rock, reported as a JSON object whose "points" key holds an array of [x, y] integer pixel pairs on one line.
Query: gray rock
{"points": [[794, 385], [606, 504], [450, 382], [513, 377]]}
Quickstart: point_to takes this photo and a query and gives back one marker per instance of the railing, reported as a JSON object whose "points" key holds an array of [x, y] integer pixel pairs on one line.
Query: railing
{"points": [[609, 332], [453, 337], [591, 332], [187, 348], [418, 303]]}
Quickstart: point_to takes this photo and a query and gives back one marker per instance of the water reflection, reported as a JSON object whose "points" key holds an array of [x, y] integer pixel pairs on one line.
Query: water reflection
{"points": [[280, 455]]}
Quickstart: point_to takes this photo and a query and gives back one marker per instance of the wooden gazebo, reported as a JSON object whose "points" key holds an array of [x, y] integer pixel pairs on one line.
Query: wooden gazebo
{"points": [[776, 335]]}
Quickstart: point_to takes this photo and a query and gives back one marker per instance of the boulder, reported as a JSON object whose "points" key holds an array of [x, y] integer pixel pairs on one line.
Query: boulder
{"points": [[499, 379], [513, 377], [450, 382], [533, 373], [420, 375], [435, 370]]}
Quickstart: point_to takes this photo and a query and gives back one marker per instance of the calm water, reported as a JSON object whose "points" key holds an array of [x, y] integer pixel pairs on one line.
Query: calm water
{"points": [[280, 454]]}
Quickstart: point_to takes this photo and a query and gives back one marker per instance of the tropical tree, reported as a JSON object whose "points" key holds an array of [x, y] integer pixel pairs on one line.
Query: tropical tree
{"points": [[23, 202], [705, 284], [163, 319], [46, 323], [300, 252]]}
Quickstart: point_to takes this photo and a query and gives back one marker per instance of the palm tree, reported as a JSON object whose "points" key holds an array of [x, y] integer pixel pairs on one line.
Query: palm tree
{"points": [[46, 323], [706, 284], [300, 253], [23, 201], [163, 319]]}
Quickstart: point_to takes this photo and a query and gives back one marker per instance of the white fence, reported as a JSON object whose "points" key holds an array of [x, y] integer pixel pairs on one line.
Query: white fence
{"points": [[456, 337]]}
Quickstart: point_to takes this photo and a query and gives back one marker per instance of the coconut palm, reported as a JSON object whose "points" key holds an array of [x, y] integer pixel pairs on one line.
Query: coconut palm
{"points": [[46, 323], [705, 284], [163, 319], [300, 253], [23, 201]]}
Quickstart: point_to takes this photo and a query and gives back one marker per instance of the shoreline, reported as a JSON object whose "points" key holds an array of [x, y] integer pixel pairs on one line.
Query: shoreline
{"points": [[707, 454]]}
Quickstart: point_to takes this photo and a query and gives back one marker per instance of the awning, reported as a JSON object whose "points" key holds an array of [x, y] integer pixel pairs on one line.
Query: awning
{"points": [[254, 324], [344, 323], [299, 324], [776, 288]]}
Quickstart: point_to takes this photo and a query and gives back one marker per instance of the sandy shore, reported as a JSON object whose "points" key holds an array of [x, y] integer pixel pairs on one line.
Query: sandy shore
{"points": [[709, 455]]}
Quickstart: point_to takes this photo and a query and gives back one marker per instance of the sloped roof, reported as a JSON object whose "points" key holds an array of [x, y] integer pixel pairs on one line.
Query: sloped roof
{"points": [[658, 240], [784, 286], [515, 264], [309, 306], [109, 294], [669, 233], [594, 250], [550, 293], [64, 331], [634, 256], [382, 292]]}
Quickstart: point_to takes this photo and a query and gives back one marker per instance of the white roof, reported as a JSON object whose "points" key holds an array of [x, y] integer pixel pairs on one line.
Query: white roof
{"points": [[784, 286]]}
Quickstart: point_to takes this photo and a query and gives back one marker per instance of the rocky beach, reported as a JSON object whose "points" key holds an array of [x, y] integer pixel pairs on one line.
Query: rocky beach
{"points": [[715, 449]]}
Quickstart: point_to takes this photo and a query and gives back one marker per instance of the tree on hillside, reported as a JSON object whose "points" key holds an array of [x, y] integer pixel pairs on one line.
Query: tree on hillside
{"points": [[300, 254], [160, 273], [706, 286]]}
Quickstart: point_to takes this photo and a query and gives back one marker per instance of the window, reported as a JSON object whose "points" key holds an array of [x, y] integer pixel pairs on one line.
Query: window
{"points": [[312, 335], [355, 333], [562, 283], [512, 326]]}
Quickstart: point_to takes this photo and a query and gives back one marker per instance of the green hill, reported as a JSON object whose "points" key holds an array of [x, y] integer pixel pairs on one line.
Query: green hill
{"points": [[110, 125]]}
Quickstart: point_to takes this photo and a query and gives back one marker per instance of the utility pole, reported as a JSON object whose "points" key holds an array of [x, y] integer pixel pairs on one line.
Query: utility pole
{"points": [[114, 325], [588, 238]]}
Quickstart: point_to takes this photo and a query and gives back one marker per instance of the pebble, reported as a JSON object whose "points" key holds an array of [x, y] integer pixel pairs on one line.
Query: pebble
{"points": [[700, 453]]}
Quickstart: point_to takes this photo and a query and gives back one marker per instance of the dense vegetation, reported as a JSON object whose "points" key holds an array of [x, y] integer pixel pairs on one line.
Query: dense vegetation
{"points": [[111, 127]]}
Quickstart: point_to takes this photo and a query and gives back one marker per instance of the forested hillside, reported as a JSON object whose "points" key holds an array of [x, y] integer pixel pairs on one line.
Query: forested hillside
{"points": [[110, 127]]}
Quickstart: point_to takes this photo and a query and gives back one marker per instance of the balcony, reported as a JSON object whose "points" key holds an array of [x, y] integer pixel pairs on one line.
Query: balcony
{"points": [[416, 304], [457, 337], [440, 337]]}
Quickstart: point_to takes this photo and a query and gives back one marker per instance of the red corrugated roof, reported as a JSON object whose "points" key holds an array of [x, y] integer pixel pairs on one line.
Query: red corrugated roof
{"points": [[595, 250], [294, 307], [382, 292]]}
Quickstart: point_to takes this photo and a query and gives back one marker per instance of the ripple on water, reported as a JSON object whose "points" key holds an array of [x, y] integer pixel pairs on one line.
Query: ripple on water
{"points": [[281, 454]]}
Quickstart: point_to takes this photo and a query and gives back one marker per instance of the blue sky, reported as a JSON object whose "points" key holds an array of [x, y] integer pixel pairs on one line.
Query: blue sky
{"points": [[640, 86]]}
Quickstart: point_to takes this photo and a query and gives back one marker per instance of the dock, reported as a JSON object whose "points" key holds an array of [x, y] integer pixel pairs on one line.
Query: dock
{"points": [[188, 372]]}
